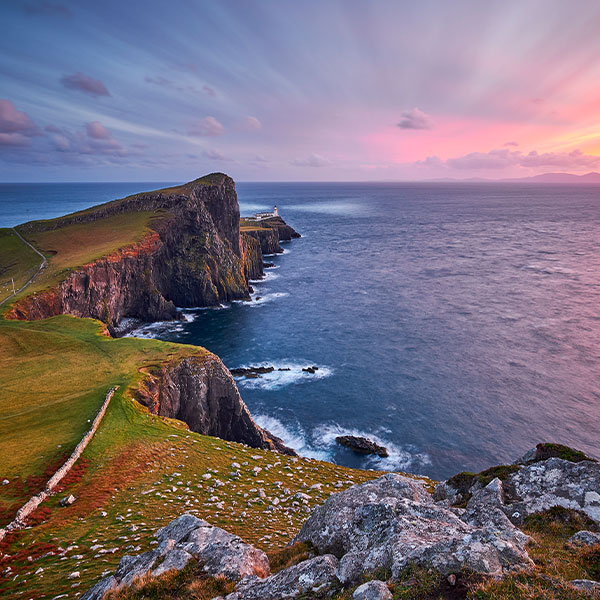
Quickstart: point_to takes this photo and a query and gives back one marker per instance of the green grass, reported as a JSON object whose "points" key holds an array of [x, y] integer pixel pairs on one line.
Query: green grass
{"points": [[17, 260]]}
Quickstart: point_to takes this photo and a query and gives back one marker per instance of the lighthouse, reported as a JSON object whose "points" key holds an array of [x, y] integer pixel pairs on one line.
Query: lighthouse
{"points": [[275, 212]]}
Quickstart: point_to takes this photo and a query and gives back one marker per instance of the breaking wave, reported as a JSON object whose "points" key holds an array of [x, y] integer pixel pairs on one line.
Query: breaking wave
{"points": [[277, 379]]}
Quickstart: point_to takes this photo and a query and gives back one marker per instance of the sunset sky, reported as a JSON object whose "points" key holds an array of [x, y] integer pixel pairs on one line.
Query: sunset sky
{"points": [[297, 90]]}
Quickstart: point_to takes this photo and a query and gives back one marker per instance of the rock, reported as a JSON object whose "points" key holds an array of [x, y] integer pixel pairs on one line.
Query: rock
{"points": [[544, 451], [5, 482], [180, 528], [175, 559], [585, 538], [222, 553], [393, 521], [184, 539], [67, 500], [313, 576], [361, 445], [251, 371], [101, 588], [586, 585], [554, 482], [372, 590], [131, 567]]}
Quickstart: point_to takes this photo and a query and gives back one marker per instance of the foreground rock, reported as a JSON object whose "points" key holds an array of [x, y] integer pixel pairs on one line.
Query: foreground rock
{"points": [[536, 487], [372, 590], [361, 445], [313, 576], [185, 539], [393, 521]]}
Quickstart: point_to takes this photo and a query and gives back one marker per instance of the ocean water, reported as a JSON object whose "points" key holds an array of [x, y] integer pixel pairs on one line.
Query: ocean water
{"points": [[456, 324]]}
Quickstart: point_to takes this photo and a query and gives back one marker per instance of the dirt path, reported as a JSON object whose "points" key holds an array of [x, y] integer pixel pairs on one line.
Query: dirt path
{"points": [[41, 267]]}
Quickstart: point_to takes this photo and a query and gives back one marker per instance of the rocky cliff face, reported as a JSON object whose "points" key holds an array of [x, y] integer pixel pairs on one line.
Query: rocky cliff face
{"points": [[194, 256], [200, 391]]}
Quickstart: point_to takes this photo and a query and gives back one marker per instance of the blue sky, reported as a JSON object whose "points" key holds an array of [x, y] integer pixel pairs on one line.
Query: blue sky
{"points": [[288, 90]]}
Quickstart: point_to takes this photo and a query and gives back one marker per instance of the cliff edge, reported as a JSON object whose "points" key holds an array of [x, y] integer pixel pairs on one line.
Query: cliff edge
{"points": [[191, 253]]}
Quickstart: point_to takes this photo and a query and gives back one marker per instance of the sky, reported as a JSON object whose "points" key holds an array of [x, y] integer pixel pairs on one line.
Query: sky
{"points": [[287, 90]]}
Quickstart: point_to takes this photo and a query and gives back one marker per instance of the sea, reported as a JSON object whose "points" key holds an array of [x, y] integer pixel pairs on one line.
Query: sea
{"points": [[457, 324]]}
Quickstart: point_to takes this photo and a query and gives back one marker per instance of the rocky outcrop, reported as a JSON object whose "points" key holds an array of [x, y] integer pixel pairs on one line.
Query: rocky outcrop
{"points": [[537, 487], [194, 255], [187, 539], [269, 232], [393, 522], [200, 391], [384, 525]]}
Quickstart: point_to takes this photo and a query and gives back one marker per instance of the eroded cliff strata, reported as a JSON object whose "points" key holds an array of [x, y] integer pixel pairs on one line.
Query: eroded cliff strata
{"points": [[194, 255], [200, 391]]}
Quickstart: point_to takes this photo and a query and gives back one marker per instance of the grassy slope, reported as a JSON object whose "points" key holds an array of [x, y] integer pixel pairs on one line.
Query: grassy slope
{"points": [[17, 260], [74, 245], [144, 469]]}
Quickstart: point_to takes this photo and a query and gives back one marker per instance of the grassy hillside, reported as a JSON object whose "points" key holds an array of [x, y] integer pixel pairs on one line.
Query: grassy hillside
{"points": [[140, 469], [17, 261]]}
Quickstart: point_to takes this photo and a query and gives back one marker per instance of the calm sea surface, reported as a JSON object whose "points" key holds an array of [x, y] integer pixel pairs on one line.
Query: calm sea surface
{"points": [[457, 324]]}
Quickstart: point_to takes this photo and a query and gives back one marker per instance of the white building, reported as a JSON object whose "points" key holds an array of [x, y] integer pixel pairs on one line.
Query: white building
{"points": [[265, 215]]}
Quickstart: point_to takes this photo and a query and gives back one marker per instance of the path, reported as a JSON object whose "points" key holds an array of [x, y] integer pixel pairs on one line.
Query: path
{"points": [[42, 265]]}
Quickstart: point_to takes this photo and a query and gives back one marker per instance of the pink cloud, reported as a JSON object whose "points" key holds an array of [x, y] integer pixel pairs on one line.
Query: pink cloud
{"points": [[15, 121], [251, 124], [84, 83], [97, 131], [504, 158], [207, 127]]}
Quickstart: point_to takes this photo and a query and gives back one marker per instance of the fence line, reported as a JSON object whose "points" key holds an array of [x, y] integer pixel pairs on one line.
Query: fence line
{"points": [[19, 521]]}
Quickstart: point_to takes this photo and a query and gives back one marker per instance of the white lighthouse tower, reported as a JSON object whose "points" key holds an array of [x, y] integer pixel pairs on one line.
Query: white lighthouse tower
{"points": [[275, 212]]}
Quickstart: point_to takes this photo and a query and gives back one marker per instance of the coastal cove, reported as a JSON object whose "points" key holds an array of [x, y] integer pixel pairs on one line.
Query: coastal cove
{"points": [[440, 306]]}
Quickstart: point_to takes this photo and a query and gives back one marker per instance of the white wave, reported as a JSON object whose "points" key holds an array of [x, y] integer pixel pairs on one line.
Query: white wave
{"points": [[266, 277], [293, 437], [276, 379], [189, 317], [272, 268], [196, 308], [259, 299], [399, 459], [156, 330]]}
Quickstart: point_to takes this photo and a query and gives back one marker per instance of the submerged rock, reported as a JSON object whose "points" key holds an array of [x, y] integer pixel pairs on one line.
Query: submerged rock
{"points": [[361, 445]]}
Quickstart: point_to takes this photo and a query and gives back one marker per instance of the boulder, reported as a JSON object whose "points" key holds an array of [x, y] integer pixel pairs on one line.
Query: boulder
{"points": [[313, 576], [585, 538], [185, 539], [554, 482], [103, 586], [68, 500], [372, 590], [587, 585], [222, 553], [393, 521], [361, 445]]}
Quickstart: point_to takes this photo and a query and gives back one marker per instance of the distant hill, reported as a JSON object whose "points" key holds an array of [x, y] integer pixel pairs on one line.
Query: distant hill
{"points": [[593, 177]]}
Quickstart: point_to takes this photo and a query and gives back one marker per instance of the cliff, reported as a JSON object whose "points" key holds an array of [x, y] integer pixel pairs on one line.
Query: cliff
{"points": [[269, 232], [192, 254], [200, 391]]}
